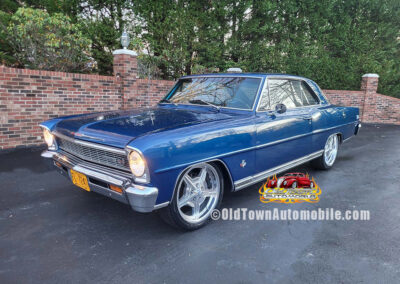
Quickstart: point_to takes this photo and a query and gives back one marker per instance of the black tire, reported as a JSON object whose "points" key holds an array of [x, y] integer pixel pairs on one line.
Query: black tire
{"points": [[171, 215], [320, 162]]}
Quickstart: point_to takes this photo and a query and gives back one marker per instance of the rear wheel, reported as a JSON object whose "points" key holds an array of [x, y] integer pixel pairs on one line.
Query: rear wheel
{"points": [[328, 158], [198, 192]]}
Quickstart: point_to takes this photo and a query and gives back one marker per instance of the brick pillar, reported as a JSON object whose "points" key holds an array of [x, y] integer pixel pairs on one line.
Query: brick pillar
{"points": [[369, 85], [125, 67]]}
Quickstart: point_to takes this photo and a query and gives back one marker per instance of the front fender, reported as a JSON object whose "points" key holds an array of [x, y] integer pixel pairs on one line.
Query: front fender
{"points": [[168, 153]]}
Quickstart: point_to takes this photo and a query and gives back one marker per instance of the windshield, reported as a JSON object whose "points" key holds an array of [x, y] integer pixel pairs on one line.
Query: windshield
{"points": [[232, 92]]}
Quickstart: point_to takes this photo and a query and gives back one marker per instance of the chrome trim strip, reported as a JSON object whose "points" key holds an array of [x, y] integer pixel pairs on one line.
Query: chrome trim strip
{"points": [[96, 171], [240, 184], [161, 205], [282, 140], [91, 144], [43, 126], [330, 128], [347, 139]]}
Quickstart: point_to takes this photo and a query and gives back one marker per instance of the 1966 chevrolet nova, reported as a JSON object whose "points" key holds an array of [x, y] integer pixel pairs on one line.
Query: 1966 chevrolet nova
{"points": [[210, 134]]}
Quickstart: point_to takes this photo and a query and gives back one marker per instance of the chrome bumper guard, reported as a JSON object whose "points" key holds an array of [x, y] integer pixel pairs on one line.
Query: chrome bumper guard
{"points": [[140, 198]]}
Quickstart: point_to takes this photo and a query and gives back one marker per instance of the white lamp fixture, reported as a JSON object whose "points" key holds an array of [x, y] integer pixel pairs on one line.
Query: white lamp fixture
{"points": [[125, 40]]}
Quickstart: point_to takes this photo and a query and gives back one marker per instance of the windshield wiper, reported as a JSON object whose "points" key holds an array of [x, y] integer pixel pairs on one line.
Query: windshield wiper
{"points": [[165, 101], [201, 102]]}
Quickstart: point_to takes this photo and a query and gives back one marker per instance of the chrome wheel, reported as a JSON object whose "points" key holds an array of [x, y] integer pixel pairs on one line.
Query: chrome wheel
{"points": [[198, 193], [331, 149], [294, 185]]}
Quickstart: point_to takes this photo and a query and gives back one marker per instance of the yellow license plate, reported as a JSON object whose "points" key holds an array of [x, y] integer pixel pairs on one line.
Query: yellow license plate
{"points": [[80, 180]]}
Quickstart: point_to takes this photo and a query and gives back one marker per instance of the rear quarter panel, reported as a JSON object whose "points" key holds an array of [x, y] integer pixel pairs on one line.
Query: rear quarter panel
{"points": [[334, 119]]}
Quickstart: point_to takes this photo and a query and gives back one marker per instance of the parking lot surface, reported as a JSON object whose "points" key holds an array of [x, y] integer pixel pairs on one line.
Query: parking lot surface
{"points": [[54, 232]]}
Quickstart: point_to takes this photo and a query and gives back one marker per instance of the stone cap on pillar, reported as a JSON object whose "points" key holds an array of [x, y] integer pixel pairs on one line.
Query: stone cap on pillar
{"points": [[125, 63], [371, 75], [369, 83], [125, 51]]}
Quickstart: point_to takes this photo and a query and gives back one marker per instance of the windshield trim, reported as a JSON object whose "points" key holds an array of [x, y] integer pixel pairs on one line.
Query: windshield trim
{"points": [[219, 76]]}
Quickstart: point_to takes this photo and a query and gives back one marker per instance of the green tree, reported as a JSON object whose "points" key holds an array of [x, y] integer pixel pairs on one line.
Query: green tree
{"points": [[7, 8], [332, 41], [49, 42]]}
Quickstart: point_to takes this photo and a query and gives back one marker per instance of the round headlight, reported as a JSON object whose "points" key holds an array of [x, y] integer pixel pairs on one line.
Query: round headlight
{"points": [[137, 164], [48, 137]]}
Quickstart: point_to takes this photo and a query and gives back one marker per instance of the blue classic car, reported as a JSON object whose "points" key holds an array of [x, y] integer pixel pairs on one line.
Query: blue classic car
{"points": [[211, 133]]}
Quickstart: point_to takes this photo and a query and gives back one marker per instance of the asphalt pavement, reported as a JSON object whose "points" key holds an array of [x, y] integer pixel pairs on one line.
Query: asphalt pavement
{"points": [[54, 232]]}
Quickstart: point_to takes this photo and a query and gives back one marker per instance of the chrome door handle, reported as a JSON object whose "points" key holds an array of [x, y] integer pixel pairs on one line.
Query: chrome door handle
{"points": [[307, 117]]}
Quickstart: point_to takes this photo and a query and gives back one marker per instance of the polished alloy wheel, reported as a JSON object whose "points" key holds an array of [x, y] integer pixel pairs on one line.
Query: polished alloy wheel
{"points": [[198, 193], [331, 149]]}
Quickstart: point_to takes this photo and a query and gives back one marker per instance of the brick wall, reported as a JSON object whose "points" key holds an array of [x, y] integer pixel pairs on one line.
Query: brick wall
{"points": [[374, 107], [346, 98], [28, 97]]}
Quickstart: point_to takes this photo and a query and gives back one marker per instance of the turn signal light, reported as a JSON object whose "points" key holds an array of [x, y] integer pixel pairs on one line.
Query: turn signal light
{"points": [[116, 188]]}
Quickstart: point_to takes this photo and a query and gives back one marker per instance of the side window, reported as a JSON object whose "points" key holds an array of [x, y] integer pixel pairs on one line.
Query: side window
{"points": [[309, 97], [281, 92], [292, 93], [264, 100]]}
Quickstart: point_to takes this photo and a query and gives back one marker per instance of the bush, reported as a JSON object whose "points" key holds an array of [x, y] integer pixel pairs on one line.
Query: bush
{"points": [[48, 42]]}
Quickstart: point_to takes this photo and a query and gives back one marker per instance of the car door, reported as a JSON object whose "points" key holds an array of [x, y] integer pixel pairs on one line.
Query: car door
{"points": [[282, 138]]}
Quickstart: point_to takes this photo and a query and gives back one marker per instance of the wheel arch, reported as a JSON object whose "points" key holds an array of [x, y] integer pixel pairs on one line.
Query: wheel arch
{"points": [[228, 181], [340, 136]]}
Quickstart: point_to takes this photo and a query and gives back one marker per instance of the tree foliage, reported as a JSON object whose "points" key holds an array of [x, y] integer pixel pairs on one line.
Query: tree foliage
{"points": [[50, 42], [331, 41]]}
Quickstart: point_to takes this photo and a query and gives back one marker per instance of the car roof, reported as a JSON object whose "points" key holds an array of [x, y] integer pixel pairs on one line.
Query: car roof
{"points": [[262, 75]]}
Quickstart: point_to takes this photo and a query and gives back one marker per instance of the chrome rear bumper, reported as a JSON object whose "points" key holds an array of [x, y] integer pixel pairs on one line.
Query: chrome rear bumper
{"points": [[140, 198]]}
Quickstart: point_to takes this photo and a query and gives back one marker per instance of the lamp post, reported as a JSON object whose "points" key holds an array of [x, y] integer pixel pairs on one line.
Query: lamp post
{"points": [[125, 40]]}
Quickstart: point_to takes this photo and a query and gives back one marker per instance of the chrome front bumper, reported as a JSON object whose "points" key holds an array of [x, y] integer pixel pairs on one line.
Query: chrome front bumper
{"points": [[140, 198]]}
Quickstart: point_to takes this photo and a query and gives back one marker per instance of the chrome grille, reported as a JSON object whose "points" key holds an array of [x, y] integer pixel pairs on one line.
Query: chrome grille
{"points": [[91, 154]]}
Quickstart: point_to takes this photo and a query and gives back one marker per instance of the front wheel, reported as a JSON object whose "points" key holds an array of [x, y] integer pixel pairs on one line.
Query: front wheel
{"points": [[328, 158], [198, 192]]}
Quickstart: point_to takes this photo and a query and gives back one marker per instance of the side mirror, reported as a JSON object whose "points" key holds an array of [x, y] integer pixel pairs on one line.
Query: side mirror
{"points": [[280, 108]]}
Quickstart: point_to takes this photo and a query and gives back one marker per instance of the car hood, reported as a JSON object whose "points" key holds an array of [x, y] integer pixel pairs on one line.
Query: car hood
{"points": [[118, 128]]}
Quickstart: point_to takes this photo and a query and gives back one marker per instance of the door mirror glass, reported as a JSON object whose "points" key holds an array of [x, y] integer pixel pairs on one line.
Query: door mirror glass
{"points": [[280, 108]]}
